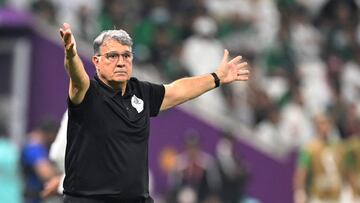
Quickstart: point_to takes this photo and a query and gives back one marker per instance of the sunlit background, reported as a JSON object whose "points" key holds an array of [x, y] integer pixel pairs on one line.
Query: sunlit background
{"points": [[239, 143]]}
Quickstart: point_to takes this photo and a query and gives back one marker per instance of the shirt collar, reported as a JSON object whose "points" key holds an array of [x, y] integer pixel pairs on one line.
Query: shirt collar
{"points": [[112, 92]]}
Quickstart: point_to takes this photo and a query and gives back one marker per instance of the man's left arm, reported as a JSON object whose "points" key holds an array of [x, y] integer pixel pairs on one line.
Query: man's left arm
{"points": [[189, 88]]}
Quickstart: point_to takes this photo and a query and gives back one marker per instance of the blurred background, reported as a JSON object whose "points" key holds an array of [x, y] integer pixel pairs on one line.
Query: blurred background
{"points": [[246, 142]]}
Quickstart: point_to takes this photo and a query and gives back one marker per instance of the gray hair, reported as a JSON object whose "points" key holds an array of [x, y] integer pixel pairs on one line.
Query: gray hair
{"points": [[119, 35]]}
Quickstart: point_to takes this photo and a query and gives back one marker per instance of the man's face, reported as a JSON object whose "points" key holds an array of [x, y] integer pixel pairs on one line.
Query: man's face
{"points": [[114, 63]]}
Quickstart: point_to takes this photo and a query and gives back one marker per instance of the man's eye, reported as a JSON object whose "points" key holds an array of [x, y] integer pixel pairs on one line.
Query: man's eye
{"points": [[113, 55], [126, 55]]}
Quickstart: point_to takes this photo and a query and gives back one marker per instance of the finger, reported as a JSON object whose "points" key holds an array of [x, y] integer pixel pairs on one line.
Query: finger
{"points": [[65, 29], [226, 56], [71, 46], [243, 72], [242, 65], [236, 60], [67, 37], [61, 32], [243, 77], [66, 26]]}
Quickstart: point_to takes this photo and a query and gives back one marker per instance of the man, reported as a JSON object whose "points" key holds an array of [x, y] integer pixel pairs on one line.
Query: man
{"points": [[319, 174], [37, 167], [232, 169], [54, 186], [195, 172], [108, 128]]}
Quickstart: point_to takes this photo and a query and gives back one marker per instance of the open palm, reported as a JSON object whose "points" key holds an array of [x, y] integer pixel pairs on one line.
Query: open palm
{"points": [[233, 70]]}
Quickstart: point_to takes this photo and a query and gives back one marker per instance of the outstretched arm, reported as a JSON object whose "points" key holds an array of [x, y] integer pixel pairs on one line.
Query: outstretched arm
{"points": [[79, 79], [186, 89]]}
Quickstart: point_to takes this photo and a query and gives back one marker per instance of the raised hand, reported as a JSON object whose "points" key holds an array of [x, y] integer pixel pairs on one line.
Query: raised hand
{"points": [[234, 70], [69, 40]]}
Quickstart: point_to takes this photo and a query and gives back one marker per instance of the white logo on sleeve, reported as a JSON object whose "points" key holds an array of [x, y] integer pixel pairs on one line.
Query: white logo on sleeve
{"points": [[137, 103]]}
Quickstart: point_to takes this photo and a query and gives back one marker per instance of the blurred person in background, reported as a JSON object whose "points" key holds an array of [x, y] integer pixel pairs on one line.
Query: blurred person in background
{"points": [[268, 130], [352, 164], [204, 38], [196, 61], [54, 186], [45, 9], [337, 21], [320, 171], [108, 129], [37, 167], [349, 79], [305, 38], [195, 173], [233, 172], [248, 26], [10, 176], [84, 13], [295, 125]]}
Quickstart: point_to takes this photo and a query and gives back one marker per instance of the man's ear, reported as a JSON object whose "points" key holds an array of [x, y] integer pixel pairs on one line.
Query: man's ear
{"points": [[95, 60]]}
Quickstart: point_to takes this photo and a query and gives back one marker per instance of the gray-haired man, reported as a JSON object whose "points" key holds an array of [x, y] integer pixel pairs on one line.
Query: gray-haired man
{"points": [[108, 129]]}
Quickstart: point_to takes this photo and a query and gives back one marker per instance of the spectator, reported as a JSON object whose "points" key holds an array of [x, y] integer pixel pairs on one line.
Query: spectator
{"points": [[45, 9], [319, 174], [233, 172], [268, 131], [305, 38], [196, 176], [81, 12], [349, 79], [10, 177], [197, 61], [35, 161], [295, 125], [54, 186]]}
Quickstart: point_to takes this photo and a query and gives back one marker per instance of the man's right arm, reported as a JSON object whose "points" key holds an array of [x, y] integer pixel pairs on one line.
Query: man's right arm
{"points": [[79, 79]]}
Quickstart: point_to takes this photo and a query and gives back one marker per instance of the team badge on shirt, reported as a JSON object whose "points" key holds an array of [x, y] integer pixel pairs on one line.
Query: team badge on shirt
{"points": [[137, 103]]}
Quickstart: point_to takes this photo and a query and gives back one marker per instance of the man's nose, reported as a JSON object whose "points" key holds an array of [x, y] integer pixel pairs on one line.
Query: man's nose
{"points": [[121, 61]]}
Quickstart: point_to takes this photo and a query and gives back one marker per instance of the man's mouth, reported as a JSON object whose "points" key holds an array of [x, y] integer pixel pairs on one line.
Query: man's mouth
{"points": [[120, 72]]}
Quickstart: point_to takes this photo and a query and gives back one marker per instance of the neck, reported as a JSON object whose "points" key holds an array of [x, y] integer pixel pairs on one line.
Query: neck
{"points": [[115, 85], [118, 86]]}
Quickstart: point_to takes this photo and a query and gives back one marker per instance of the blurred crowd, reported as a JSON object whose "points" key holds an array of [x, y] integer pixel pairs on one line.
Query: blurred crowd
{"points": [[197, 176], [304, 55], [305, 70]]}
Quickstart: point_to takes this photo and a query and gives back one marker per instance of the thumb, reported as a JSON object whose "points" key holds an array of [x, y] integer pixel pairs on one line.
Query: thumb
{"points": [[226, 56], [66, 26]]}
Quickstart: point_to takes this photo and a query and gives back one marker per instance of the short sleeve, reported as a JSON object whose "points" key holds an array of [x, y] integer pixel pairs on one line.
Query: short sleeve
{"points": [[88, 95], [156, 96]]}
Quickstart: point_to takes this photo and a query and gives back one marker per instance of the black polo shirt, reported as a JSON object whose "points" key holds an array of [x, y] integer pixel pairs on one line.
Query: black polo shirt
{"points": [[107, 140]]}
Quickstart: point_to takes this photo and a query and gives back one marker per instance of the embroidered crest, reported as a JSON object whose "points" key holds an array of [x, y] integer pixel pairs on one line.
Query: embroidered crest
{"points": [[137, 103]]}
